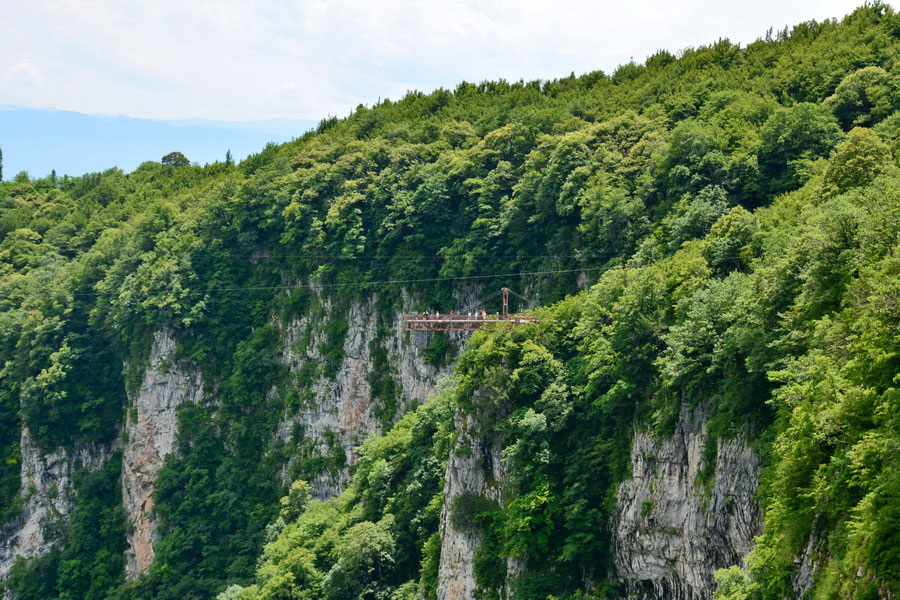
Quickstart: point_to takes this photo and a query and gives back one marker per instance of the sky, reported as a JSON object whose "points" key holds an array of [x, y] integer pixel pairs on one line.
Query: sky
{"points": [[252, 60], [73, 143]]}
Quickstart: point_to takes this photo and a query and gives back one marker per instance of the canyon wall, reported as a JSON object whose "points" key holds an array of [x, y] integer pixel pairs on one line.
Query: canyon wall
{"points": [[681, 514]]}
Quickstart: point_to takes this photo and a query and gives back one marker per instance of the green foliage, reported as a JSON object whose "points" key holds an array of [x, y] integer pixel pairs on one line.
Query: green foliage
{"points": [[790, 139], [529, 523], [175, 159], [729, 240], [439, 350], [92, 562], [371, 541], [365, 556], [858, 160], [35, 579], [692, 217], [384, 386], [865, 97], [293, 505], [734, 583], [333, 348]]}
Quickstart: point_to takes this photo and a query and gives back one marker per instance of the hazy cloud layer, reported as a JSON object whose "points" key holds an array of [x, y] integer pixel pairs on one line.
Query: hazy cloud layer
{"points": [[244, 60]]}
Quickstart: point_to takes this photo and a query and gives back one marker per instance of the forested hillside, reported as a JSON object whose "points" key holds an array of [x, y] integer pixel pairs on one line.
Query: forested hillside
{"points": [[713, 231]]}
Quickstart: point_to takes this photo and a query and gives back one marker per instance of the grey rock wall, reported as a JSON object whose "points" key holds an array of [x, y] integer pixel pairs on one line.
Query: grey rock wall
{"points": [[670, 529], [670, 532], [342, 409], [474, 468], [807, 565], [47, 496]]}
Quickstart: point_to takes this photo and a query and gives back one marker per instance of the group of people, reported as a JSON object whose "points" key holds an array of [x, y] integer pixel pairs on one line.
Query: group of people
{"points": [[437, 315]]}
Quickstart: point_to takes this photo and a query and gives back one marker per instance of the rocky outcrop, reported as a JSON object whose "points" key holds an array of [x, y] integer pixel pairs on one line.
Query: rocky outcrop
{"points": [[474, 469], [670, 530], [341, 411], [807, 565], [150, 428], [47, 496], [339, 414]]}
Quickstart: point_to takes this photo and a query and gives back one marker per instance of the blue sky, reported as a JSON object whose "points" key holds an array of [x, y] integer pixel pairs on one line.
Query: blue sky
{"points": [[240, 60], [40, 141]]}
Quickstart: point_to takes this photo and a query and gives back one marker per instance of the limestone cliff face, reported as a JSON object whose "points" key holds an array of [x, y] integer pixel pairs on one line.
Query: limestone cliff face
{"points": [[670, 532], [151, 427], [47, 496], [808, 564], [340, 413]]}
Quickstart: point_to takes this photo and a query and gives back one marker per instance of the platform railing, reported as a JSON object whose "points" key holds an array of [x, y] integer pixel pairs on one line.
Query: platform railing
{"points": [[456, 322]]}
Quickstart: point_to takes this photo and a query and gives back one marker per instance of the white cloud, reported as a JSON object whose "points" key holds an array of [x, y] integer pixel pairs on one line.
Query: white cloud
{"points": [[24, 74], [234, 59]]}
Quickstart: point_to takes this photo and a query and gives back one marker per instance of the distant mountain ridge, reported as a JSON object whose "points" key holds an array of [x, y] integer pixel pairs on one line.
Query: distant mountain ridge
{"points": [[73, 143]]}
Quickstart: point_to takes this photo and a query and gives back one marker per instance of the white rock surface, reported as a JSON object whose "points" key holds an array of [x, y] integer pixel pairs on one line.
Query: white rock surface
{"points": [[807, 565], [474, 467]]}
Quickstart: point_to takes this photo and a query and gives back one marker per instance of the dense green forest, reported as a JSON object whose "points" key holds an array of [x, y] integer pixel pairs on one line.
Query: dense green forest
{"points": [[719, 227]]}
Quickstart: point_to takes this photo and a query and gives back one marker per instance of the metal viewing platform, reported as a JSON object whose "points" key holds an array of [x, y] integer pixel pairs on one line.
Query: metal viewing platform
{"points": [[471, 321]]}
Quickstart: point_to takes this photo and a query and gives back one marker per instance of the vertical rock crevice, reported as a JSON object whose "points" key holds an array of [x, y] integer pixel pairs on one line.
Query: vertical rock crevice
{"points": [[475, 469]]}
